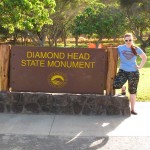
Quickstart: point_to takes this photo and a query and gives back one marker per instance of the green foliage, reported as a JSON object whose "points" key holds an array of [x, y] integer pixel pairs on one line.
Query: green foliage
{"points": [[4, 34], [104, 21], [98, 18], [86, 22], [138, 15], [25, 14]]}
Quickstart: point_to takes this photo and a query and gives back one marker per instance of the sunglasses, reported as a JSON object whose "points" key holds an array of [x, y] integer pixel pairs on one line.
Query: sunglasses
{"points": [[128, 40]]}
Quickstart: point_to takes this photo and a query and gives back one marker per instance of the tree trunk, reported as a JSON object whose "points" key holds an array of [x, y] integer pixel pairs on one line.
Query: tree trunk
{"points": [[65, 43], [98, 42], [50, 42], [143, 43], [55, 40], [76, 40], [143, 47]]}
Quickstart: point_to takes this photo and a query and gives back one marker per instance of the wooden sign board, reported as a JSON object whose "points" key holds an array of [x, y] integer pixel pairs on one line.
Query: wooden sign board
{"points": [[58, 70]]}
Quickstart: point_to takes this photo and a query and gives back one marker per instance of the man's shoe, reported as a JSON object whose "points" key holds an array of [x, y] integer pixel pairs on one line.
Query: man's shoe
{"points": [[133, 112]]}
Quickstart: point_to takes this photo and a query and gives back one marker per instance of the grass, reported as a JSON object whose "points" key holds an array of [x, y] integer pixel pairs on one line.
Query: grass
{"points": [[144, 86]]}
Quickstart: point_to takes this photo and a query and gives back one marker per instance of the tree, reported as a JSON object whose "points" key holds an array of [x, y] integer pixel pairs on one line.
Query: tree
{"points": [[101, 20], [4, 34], [27, 15], [62, 18], [138, 14]]}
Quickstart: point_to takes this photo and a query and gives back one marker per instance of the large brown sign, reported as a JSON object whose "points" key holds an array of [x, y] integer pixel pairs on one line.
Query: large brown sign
{"points": [[58, 70]]}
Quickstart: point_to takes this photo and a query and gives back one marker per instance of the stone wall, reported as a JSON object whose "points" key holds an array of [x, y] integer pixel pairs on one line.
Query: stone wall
{"points": [[45, 103]]}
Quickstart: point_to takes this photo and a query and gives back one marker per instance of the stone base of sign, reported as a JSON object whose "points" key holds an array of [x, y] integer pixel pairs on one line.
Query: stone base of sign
{"points": [[74, 104]]}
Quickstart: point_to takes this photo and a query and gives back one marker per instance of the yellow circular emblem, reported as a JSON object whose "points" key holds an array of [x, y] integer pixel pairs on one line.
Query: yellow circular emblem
{"points": [[57, 79]]}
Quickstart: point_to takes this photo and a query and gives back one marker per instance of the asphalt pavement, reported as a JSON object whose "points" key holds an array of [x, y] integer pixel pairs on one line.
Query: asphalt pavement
{"points": [[76, 132]]}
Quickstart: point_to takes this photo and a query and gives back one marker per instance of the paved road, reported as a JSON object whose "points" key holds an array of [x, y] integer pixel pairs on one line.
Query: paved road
{"points": [[69, 132], [32, 142]]}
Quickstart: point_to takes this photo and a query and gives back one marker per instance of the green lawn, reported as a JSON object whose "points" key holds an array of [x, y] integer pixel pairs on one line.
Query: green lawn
{"points": [[144, 83]]}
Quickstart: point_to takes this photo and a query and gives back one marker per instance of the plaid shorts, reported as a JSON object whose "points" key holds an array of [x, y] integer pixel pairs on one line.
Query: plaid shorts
{"points": [[123, 76]]}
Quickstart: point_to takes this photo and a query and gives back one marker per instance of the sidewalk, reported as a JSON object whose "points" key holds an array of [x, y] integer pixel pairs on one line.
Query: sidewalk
{"points": [[78, 128]]}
